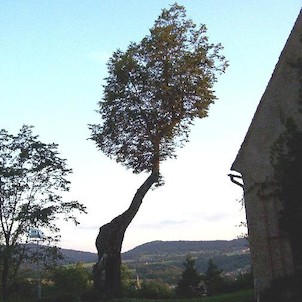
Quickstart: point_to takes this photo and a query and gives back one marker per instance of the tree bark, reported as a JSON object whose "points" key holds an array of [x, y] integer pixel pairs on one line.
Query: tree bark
{"points": [[5, 272], [107, 271]]}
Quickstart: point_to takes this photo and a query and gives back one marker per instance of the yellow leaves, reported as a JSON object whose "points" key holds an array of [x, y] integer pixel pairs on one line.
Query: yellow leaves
{"points": [[155, 90]]}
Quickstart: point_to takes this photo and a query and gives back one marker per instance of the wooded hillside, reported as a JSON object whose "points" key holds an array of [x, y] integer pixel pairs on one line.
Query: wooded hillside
{"points": [[164, 259]]}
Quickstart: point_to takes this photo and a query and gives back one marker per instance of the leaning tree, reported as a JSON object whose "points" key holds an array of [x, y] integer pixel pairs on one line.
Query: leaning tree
{"points": [[154, 91]]}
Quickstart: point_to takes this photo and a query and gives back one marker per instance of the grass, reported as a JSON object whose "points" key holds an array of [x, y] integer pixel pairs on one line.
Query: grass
{"points": [[241, 296]]}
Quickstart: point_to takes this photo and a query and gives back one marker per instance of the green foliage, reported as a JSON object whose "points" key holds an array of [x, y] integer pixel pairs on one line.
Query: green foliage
{"points": [[32, 176], [129, 285], [72, 279], [190, 284], [132, 287], [169, 272], [164, 260], [214, 282], [23, 288], [154, 289], [243, 281], [154, 91]]}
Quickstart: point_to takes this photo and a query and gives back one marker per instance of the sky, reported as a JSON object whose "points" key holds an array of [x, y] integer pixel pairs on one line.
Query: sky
{"points": [[53, 58]]}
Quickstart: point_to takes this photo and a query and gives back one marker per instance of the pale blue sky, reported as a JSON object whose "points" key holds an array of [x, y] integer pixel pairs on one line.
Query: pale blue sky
{"points": [[52, 61]]}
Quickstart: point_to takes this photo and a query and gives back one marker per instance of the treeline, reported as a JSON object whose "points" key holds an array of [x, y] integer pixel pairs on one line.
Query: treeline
{"points": [[190, 283], [74, 283], [170, 270]]}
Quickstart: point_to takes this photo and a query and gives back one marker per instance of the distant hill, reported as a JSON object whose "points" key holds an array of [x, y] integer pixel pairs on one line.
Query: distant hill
{"points": [[166, 248], [72, 256], [157, 250]]}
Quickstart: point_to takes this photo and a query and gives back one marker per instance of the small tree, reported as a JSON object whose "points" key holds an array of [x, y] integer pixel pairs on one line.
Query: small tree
{"points": [[190, 284], [153, 93], [32, 175], [213, 279]]}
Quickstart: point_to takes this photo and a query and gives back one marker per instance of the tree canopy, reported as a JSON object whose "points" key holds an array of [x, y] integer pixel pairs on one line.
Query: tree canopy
{"points": [[154, 91], [32, 178], [32, 175]]}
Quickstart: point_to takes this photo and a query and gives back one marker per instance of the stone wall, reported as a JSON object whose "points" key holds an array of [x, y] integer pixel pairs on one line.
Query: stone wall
{"points": [[270, 247]]}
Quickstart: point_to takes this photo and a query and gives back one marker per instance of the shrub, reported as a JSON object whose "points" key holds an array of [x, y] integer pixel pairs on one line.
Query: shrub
{"points": [[155, 289], [129, 285], [72, 279]]}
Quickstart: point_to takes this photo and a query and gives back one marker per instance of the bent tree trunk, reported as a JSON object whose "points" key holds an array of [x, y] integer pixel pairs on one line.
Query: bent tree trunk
{"points": [[107, 271]]}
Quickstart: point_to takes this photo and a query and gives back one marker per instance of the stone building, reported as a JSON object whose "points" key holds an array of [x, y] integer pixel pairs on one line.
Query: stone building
{"points": [[271, 249]]}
